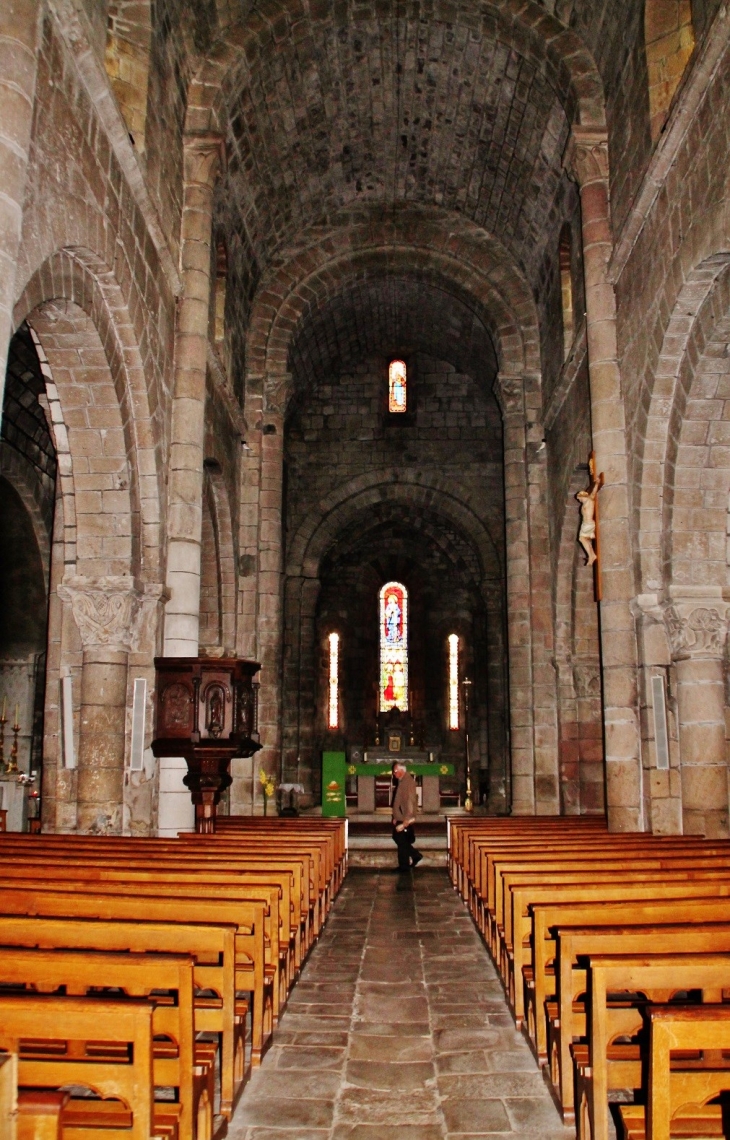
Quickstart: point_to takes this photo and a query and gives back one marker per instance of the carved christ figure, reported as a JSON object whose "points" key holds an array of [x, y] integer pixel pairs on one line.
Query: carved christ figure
{"points": [[587, 532]]}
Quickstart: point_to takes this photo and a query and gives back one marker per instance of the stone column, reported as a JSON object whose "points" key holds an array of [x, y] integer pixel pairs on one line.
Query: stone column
{"points": [[269, 631], [588, 156], [104, 610], [532, 678], [202, 159], [697, 630], [509, 391], [498, 804], [19, 35]]}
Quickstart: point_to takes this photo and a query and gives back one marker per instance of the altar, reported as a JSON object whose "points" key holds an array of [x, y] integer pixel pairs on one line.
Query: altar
{"points": [[372, 770]]}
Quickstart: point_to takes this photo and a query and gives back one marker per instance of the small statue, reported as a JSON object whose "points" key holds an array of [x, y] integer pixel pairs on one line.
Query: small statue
{"points": [[587, 500]]}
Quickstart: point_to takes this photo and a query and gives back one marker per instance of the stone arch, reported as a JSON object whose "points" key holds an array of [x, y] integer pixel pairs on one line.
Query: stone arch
{"points": [[418, 242], [76, 277], [407, 485], [521, 24], [699, 304]]}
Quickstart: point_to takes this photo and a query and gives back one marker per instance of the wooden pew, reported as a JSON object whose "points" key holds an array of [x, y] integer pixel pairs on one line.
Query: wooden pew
{"points": [[278, 856], [97, 902], [288, 874], [9, 1095], [212, 949], [549, 917], [145, 883], [79, 972], [658, 978], [40, 1114], [566, 1020], [126, 1078], [668, 1104]]}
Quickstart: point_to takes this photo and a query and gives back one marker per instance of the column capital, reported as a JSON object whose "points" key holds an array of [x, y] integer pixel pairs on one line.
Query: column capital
{"points": [[697, 628], [586, 155], [509, 392], [277, 391], [204, 158], [105, 608]]}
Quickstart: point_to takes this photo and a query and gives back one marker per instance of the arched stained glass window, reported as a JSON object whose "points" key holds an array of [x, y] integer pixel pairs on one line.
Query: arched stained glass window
{"points": [[397, 386], [393, 646], [453, 681]]}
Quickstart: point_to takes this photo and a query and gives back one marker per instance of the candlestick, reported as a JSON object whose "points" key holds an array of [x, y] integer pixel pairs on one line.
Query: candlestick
{"points": [[13, 762]]}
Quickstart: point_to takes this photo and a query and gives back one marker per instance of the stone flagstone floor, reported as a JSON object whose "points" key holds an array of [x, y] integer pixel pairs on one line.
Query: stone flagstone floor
{"points": [[397, 1029]]}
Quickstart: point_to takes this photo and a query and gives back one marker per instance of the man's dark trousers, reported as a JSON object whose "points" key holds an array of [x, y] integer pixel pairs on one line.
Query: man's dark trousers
{"points": [[404, 841]]}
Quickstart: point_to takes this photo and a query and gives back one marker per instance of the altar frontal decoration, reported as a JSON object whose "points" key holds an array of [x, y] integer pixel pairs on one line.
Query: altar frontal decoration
{"points": [[393, 647]]}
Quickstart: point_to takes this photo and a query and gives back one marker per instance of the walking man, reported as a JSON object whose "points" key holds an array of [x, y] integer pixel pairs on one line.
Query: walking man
{"points": [[405, 806]]}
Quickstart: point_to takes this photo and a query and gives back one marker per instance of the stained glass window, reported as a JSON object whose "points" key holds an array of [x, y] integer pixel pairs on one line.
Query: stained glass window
{"points": [[397, 394], [333, 709], [393, 646], [453, 681]]}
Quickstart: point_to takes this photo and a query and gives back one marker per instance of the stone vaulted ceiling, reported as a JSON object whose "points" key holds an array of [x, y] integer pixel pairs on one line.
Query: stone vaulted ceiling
{"points": [[351, 105], [393, 315]]}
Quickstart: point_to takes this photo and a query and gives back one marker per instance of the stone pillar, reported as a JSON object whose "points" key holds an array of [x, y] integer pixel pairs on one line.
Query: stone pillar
{"points": [[104, 610], [498, 803], [19, 34], [697, 630], [269, 631], [532, 678], [202, 160], [588, 156], [509, 391]]}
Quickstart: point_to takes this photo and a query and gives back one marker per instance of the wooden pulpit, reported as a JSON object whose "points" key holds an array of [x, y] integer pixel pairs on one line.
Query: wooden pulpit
{"points": [[206, 710]]}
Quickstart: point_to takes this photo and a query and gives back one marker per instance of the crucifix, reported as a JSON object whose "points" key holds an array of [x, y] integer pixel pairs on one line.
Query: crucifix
{"points": [[589, 535]]}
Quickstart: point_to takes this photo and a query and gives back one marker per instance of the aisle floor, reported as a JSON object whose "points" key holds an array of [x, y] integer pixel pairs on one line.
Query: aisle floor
{"points": [[398, 1028]]}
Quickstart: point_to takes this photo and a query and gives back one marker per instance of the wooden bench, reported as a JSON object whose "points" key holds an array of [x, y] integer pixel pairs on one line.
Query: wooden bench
{"points": [[602, 1065], [565, 1014], [676, 1101], [287, 874], [181, 884], [9, 1095], [212, 949], [122, 1081], [94, 901], [550, 917], [80, 972]]}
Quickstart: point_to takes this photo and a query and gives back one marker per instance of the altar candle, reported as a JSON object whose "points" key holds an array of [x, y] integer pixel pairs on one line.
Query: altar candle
{"points": [[4, 708], [17, 709]]}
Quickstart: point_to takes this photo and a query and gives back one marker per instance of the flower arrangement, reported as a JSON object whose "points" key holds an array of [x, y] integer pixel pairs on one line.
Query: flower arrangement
{"points": [[268, 787]]}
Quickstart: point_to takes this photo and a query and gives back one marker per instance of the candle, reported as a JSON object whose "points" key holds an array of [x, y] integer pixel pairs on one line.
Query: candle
{"points": [[17, 709], [4, 708]]}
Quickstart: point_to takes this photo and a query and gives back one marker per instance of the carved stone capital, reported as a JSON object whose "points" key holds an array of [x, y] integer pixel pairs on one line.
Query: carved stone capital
{"points": [[586, 678], [204, 158], [509, 392], [696, 630], [104, 609], [586, 155], [277, 392]]}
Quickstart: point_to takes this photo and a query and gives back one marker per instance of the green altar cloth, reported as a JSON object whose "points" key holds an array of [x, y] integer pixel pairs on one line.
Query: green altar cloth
{"points": [[376, 769]]}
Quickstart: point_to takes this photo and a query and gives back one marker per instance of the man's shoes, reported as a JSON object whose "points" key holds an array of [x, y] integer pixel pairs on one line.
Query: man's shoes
{"points": [[417, 856]]}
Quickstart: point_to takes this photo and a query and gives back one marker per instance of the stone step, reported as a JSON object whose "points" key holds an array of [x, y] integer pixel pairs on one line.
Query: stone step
{"points": [[376, 857], [380, 850]]}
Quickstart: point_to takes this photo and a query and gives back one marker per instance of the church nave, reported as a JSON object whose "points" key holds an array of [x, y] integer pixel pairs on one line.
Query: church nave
{"points": [[397, 1027]]}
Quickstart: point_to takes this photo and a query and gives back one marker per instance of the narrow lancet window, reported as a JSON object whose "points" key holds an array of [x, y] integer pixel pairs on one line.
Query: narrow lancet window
{"points": [[333, 704], [453, 681], [393, 647], [397, 390]]}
